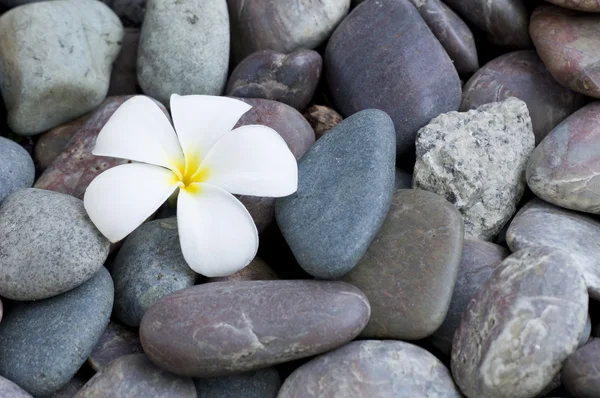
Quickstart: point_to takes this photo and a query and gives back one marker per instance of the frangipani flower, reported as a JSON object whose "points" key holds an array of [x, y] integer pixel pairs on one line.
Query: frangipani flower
{"points": [[206, 160]]}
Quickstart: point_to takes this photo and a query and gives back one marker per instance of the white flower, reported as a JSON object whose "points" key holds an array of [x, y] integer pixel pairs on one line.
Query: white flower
{"points": [[206, 160]]}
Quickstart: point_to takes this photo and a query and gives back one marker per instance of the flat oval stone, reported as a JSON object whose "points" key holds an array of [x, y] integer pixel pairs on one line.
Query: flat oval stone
{"points": [[322, 119], [16, 169], [48, 245], [522, 74], [51, 143], [580, 374], [257, 270], [334, 215], [372, 368], [367, 66], [262, 383], [224, 328], [568, 42], [123, 77], [9, 389], [116, 341], [44, 343], [561, 169], [520, 326], [581, 5], [418, 249]]}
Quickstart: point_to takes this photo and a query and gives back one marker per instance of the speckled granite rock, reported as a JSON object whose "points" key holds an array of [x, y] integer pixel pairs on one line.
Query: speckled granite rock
{"points": [[581, 374], [16, 168], [262, 383], [51, 144], [116, 341]]}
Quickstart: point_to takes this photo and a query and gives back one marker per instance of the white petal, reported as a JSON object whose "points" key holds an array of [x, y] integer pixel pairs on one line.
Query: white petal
{"points": [[122, 198], [252, 160], [200, 120], [217, 234], [140, 131]]}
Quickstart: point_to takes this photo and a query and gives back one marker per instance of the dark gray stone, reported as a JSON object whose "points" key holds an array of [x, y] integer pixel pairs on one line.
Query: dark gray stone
{"points": [[44, 343], [581, 372], [8, 389], [262, 383], [16, 168], [116, 341], [345, 186]]}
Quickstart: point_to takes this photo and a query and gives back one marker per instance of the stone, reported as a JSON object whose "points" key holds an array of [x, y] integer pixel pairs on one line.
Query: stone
{"points": [[59, 67], [409, 270], [334, 215], [262, 383], [48, 245], [117, 341], [44, 343], [477, 160], [562, 168], [148, 267], [225, 328], [580, 374], [479, 260], [568, 42], [522, 74], [282, 25], [9, 389], [16, 169], [520, 326], [322, 119], [581, 5], [411, 79], [586, 334], [136, 376], [403, 179], [68, 390], [184, 48], [540, 224], [51, 143], [257, 270], [288, 78], [123, 79], [372, 368], [131, 12]]}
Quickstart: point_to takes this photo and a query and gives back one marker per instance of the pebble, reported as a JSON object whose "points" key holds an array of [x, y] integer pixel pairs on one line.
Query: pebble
{"points": [[322, 119], [48, 245], [409, 270], [131, 12], [367, 66], [372, 368], [136, 376], [262, 383], [8, 389], [184, 48], [51, 143], [16, 168], [522, 74], [225, 328], [116, 341], [520, 326], [44, 343], [58, 68], [288, 78], [123, 79], [334, 215], [257, 270], [477, 160], [581, 374]]}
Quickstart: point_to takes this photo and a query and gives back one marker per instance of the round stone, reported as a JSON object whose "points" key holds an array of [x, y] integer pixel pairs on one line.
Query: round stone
{"points": [[262, 383], [16, 168], [580, 374], [116, 341]]}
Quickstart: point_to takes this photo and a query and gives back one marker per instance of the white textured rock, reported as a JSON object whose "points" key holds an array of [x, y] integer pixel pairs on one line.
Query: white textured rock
{"points": [[477, 160], [55, 61]]}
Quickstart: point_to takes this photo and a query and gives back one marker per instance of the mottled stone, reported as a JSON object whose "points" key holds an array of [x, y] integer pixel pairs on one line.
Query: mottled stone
{"points": [[44, 343], [68, 390], [131, 12], [262, 383], [48, 245], [16, 168], [522, 74], [116, 341], [224, 328], [520, 326], [334, 215], [477, 160], [322, 119], [123, 78], [9, 389], [411, 79], [257, 270], [371, 368], [479, 260], [581, 372], [409, 270], [51, 144], [563, 169]]}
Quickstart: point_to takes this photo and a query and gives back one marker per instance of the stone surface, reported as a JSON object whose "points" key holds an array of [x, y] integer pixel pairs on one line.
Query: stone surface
{"points": [[409, 270], [147, 268], [43, 344], [224, 328], [563, 169], [48, 245], [131, 12], [262, 383], [68, 390], [123, 78], [322, 119], [411, 79], [581, 374], [568, 42], [116, 341], [9, 389], [520, 326], [476, 160], [334, 215], [288, 78], [541, 224], [51, 144], [582, 5], [58, 68], [479, 260], [522, 74], [16, 168], [257, 270], [371, 368], [184, 48]]}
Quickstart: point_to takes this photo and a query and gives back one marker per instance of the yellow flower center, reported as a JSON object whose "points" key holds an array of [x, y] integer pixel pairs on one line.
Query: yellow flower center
{"points": [[190, 174]]}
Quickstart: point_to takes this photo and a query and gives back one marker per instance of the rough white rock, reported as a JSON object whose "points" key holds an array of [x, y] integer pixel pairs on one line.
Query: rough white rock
{"points": [[477, 160]]}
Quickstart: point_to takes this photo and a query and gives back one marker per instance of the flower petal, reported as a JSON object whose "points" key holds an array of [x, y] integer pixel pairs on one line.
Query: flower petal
{"points": [[122, 198], [217, 234], [200, 120], [140, 131], [252, 160]]}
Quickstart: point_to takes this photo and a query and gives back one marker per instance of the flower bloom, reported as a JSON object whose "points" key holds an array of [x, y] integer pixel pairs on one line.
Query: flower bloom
{"points": [[206, 160]]}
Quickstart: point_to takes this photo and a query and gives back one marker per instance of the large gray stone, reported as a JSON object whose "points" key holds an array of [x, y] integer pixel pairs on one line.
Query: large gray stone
{"points": [[477, 160], [262, 383], [345, 187], [16, 168]]}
